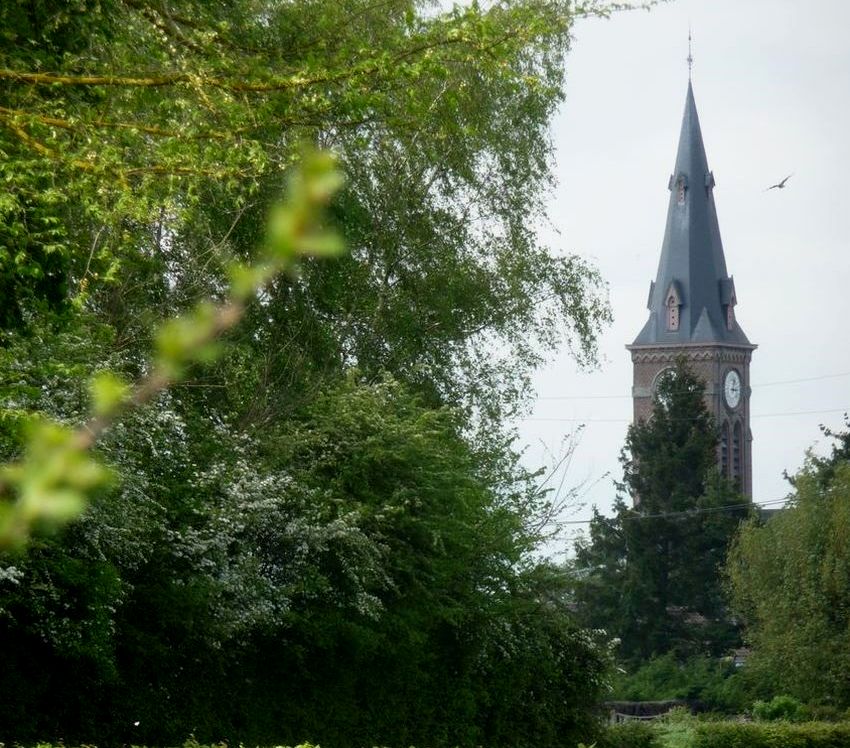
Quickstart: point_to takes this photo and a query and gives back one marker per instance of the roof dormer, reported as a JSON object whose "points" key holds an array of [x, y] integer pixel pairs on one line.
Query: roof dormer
{"points": [[728, 300], [672, 306]]}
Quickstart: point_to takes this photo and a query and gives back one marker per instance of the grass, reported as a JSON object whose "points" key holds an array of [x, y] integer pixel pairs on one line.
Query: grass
{"points": [[676, 729]]}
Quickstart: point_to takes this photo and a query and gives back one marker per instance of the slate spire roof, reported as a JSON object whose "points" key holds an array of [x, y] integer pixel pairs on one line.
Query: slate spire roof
{"points": [[692, 270]]}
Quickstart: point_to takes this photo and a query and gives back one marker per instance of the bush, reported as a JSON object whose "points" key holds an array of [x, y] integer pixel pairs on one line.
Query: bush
{"points": [[628, 735], [780, 707], [826, 713], [715, 683], [775, 735]]}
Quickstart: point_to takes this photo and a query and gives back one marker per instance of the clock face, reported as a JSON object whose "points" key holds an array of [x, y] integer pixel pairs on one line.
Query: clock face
{"points": [[732, 388]]}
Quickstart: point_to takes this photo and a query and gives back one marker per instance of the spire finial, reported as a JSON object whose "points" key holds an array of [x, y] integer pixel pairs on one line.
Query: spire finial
{"points": [[690, 55]]}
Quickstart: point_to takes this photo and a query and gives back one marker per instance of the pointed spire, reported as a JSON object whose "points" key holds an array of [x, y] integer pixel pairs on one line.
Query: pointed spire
{"points": [[692, 261]]}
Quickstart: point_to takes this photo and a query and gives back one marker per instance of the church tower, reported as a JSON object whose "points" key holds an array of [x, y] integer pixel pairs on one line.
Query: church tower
{"points": [[692, 309]]}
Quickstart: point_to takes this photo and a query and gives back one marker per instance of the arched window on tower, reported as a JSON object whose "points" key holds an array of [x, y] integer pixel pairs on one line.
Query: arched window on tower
{"points": [[737, 445], [672, 303], [724, 450], [672, 314]]}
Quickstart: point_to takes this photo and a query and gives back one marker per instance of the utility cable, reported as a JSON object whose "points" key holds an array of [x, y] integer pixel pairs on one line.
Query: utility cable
{"points": [[685, 512], [754, 415], [754, 386]]}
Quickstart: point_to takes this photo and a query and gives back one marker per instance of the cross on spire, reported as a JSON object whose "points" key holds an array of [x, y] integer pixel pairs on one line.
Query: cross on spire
{"points": [[690, 55]]}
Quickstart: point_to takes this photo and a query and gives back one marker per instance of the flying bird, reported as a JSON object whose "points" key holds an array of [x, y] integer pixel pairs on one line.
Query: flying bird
{"points": [[780, 185]]}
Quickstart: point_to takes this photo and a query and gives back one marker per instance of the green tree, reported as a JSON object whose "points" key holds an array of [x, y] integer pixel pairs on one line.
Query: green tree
{"points": [[790, 583], [374, 554], [148, 141], [153, 161], [325, 532], [650, 575]]}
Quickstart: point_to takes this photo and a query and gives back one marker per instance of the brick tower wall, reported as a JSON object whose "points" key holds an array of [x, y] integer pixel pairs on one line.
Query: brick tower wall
{"points": [[710, 363]]}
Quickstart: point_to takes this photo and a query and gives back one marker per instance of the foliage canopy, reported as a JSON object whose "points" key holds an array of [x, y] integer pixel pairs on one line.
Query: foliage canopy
{"points": [[790, 582], [332, 507]]}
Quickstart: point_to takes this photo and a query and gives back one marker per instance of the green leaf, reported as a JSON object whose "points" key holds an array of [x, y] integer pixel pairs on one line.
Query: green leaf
{"points": [[50, 484], [108, 391]]}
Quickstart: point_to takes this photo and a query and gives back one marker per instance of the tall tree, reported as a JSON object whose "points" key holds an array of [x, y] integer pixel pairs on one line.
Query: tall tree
{"points": [[312, 536], [650, 575], [143, 143], [790, 583]]}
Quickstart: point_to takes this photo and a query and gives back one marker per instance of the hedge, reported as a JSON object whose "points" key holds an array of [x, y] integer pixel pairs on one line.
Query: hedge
{"points": [[773, 735]]}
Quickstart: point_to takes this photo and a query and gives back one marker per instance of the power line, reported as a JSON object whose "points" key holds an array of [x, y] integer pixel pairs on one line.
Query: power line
{"points": [[799, 413], [581, 420], [685, 512], [585, 397], [754, 415], [806, 379], [754, 386]]}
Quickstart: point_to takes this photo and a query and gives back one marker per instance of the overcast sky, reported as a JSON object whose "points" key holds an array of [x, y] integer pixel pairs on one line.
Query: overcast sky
{"points": [[772, 87]]}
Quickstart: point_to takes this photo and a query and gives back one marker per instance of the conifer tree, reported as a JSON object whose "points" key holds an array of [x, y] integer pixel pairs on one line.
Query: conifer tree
{"points": [[650, 575]]}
